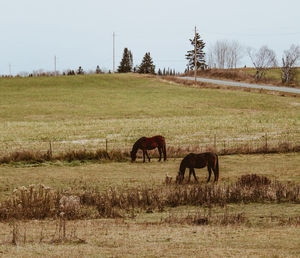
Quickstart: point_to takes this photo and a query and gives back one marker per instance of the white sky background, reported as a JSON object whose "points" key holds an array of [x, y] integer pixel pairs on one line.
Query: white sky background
{"points": [[79, 33]]}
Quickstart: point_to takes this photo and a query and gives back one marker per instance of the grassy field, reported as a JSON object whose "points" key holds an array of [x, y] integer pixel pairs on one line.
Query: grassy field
{"points": [[118, 238], [268, 229], [82, 111], [283, 167]]}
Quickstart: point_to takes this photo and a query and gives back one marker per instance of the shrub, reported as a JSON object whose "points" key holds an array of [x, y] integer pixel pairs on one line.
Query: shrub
{"points": [[253, 180]]}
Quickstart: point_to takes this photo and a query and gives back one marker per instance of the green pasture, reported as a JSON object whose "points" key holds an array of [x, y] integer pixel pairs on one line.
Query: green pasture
{"points": [[76, 112]]}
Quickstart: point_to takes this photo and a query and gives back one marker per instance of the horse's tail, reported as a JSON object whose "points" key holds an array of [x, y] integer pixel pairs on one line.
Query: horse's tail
{"points": [[217, 168], [164, 149]]}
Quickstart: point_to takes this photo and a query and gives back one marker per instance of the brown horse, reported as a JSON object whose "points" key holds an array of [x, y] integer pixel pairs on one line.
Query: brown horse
{"points": [[151, 143], [192, 161]]}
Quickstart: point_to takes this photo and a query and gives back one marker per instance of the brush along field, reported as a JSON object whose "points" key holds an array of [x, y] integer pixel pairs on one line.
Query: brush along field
{"points": [[272, 76], [126, 209], [275, 75], [76, 112]]}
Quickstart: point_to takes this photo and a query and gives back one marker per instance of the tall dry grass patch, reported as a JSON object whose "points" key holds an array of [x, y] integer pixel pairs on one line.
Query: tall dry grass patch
{"points": [[39, 202], [68, 156], [26, 156]]}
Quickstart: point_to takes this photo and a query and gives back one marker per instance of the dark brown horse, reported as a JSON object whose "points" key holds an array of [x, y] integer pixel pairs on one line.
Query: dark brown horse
{"points": [[192, 161], [151, 143]]}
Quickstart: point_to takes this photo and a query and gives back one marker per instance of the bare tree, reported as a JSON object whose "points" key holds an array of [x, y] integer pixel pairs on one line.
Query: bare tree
{"points": [[289, 61], [225, 54], [263, 60], [219, 52], [234, 54], [210, 59]]}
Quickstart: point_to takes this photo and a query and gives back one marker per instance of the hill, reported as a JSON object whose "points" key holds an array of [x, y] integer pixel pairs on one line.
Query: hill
{"points": [[83, 111]]}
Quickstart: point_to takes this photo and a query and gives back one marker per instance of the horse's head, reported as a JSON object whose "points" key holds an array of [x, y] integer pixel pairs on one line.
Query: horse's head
{"points": [[133, 156], [179, 178]]}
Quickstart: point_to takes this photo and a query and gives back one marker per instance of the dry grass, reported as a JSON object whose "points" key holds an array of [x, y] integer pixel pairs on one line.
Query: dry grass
{"points": [[121, 238], [230, 74], [208, 219]]}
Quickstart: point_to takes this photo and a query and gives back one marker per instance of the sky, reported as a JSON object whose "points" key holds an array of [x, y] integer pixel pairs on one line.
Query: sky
{"points": [[80, 33]]}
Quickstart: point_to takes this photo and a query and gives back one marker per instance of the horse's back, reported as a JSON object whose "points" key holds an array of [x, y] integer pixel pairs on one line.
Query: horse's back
{"points": [[160, 140], [199, 160], [150, 143], [207, 155]]}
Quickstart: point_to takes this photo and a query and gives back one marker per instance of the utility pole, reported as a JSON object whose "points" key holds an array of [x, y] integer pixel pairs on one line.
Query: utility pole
{"points": [[113, 52], [54, 65], [195, 57], [9, 68]]}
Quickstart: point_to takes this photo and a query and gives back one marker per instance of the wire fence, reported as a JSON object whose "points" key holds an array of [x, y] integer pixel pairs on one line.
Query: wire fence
{"points": [[214, 142]]}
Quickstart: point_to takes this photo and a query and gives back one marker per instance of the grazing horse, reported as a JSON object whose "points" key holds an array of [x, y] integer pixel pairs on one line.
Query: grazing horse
{"points": [[151, 143], [192, 161]]}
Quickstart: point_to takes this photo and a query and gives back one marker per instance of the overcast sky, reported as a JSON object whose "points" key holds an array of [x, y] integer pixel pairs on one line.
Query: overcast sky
{"points": [[80, 33]]}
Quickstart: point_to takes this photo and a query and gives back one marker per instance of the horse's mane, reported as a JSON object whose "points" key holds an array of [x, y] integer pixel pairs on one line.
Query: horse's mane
{"points": [[137, 144], [182, 167]]}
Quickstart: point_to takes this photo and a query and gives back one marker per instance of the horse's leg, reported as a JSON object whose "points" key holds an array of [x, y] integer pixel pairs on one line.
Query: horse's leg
{"points": [[164, 151], [143, 156], [194, 174], [209, 172], [159, 150], [191, 171], [215, 174], [147, 155]]}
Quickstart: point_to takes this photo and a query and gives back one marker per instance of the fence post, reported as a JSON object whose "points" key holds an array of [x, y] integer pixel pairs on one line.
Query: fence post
{"points": [[50, 149], [106, 144], [266, 141]]}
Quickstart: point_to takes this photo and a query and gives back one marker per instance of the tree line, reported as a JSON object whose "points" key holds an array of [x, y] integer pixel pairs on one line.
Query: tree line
{"points": [[227, 54], [223, 54]]}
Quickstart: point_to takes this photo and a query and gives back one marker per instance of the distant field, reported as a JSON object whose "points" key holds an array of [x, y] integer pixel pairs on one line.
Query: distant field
{"points": [[272, 76], [275, 74], [82, 111]]}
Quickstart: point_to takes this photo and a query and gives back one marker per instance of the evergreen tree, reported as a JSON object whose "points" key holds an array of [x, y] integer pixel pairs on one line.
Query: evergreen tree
{"points": [[147, 65], [130, 60], [98, 70], [200, 55], [80, 70], [159, 72], [126, 62], [164, 71]]}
